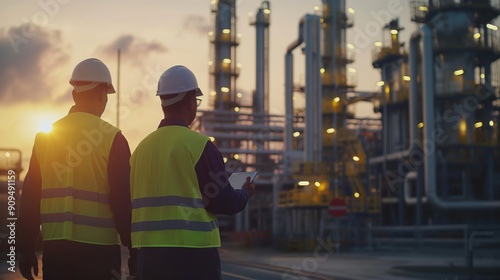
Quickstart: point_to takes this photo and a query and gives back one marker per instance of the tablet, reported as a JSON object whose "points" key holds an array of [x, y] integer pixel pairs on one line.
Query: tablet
{"points": [[237, 179]]}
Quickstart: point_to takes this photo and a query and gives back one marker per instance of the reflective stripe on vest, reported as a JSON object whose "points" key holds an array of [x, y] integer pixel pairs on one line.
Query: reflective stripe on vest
{"points": [[167, 206], [167, 201], [73, 161], [174, 224], [76, 194], [77, 219]]}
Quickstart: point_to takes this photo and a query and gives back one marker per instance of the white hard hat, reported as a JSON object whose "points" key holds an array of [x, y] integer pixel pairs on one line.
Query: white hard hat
{"points": [[94, 71], [177, 79]]}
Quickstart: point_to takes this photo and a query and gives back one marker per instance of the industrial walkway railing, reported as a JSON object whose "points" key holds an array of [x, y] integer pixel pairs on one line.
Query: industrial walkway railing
{"points": [[468, 236]]}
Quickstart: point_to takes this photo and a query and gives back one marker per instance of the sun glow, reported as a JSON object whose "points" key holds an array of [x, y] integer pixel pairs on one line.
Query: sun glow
{"points": [[44, 123]]}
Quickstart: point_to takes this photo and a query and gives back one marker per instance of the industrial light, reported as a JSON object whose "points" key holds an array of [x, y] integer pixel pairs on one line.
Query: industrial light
{"points": [[210, 33], [7, 154], [462, 127], [212, 139], [352, 70], [236, 109], [458, 72], [239, 35], [407, 78], [303, 183], [226, 31], [423, 8], [477, 35], [355, 158], [420, 125], [482, 76], [492, 123], [356, 194], [239, 95], [478, 124], [322, 70], [336, 99], [321, 20], [267, 11], [378, 44], [317, 184], [350, 46], [238, 65], [225, 159], [296, 134], [226, 60], [492, 26], [224, 89], [351, 10], [330, 130], [394, 31], [236, 156], [316, 8], [381, 83], [213, 93], [210, 63]]}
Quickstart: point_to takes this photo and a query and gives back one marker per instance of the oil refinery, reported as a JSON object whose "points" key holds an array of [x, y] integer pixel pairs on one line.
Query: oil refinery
{"points": [[427, 164], [428, 167]]}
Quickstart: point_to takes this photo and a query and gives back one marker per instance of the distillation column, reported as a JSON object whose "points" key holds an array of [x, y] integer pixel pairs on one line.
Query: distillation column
{"points": [[262, 21], [460, 110], [335, 85], [223, 67]]}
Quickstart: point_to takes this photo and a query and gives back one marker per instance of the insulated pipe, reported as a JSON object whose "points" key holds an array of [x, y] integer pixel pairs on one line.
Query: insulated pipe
{"points": [[289, 95], [309, 32], [430, 157], [414, 50], [411, 200]]}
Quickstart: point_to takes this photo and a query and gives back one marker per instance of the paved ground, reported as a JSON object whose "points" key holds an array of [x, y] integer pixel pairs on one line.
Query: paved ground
{"points": [[357, 265], [386, 265]]}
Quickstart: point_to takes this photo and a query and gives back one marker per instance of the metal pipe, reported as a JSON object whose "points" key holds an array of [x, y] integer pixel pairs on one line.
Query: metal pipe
{"points": [[251, 152], [289, 95], [243, 127], [430, 157], [309, 92], [408, 199], [318, 93]]}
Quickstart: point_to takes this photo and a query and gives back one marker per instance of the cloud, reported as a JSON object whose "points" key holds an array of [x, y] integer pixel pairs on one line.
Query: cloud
{"points": [[197, 24], [30, 56], [133, 50]]}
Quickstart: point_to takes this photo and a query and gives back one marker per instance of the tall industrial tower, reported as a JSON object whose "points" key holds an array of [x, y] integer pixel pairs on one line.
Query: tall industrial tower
{"points": [[440, 156], [224, 69], [248, 137]]}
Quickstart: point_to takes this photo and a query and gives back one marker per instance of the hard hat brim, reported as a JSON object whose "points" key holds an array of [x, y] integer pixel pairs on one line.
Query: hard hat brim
{"points": [[111, 89], [197, 90]]}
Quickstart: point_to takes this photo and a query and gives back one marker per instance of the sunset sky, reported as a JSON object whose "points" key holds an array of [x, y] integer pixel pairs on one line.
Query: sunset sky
{"points": [[42, 41]]}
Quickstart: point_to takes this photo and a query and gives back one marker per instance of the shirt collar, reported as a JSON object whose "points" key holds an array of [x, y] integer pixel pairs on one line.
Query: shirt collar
{"points": [[167, 122]]}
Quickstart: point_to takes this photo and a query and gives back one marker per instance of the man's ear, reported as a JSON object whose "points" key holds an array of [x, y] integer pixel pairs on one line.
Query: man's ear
{"points": [[104, 92]]}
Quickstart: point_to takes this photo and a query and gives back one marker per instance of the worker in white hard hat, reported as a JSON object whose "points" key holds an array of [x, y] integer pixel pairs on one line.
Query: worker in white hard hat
{"points": [[77, 188], [178, 186]]}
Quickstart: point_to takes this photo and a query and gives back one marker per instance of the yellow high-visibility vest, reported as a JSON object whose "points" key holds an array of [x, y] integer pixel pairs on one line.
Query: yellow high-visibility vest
{"points": [[167, 205], [73, 161]]}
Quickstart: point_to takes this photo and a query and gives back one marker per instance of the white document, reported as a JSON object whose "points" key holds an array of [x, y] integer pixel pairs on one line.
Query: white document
{"points": [[238, 179]]}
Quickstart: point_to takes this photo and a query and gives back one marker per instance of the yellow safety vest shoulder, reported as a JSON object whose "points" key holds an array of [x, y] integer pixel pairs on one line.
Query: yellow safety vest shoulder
{"points": [[167, 206], [73, 161]]}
